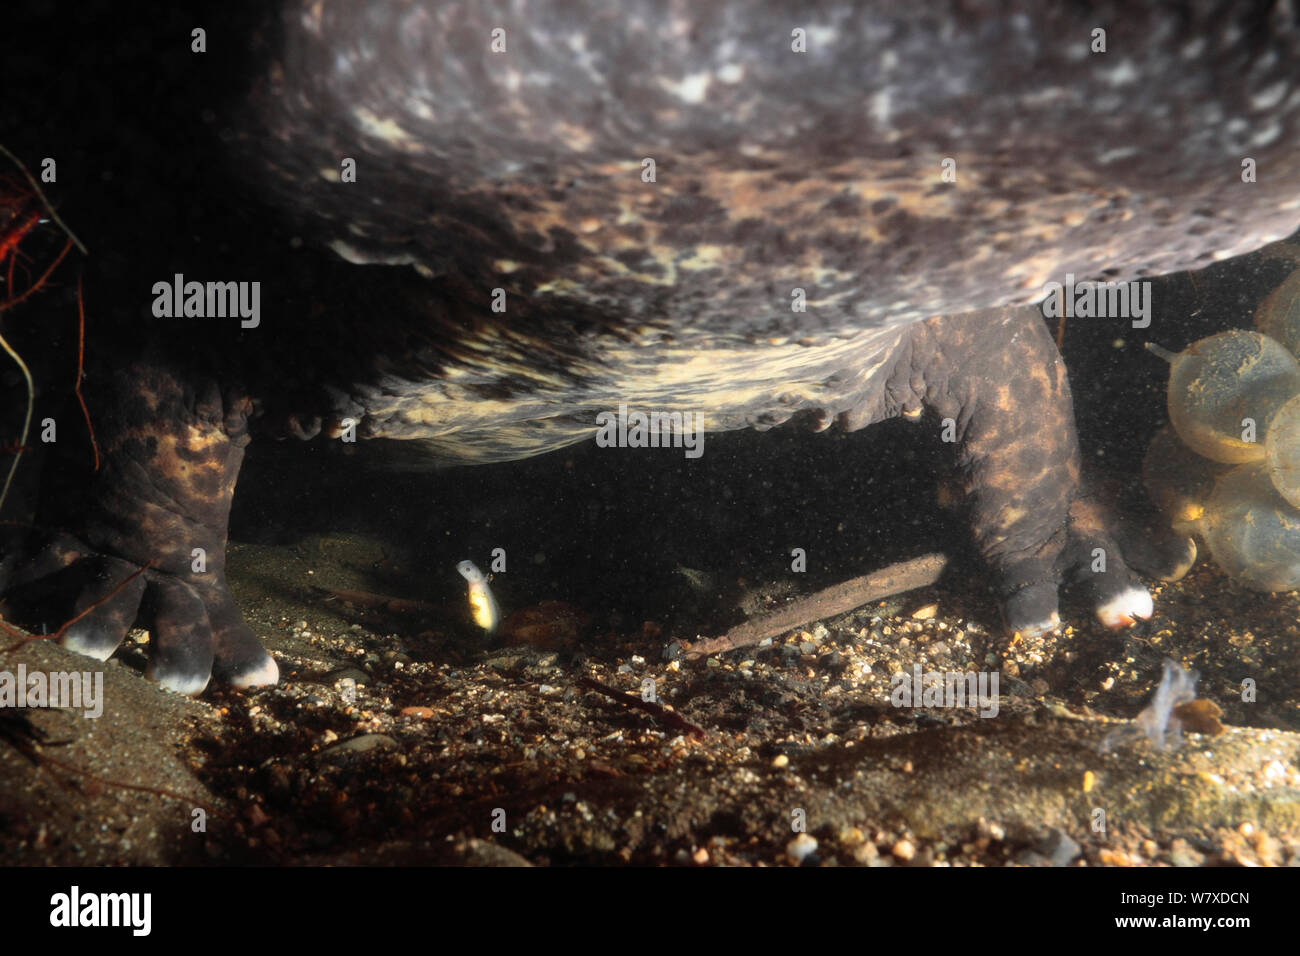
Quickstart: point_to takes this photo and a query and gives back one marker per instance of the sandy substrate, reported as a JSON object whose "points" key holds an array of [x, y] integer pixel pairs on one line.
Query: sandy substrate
{"points": [[403, 738]]}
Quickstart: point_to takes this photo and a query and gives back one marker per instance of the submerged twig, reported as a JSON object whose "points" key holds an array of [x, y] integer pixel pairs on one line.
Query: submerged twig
{"points": [[840, 599], [46, 761], [81, 353], [67, 624], [36, 188], [380, 602], [15, 300], [27, 417], [35, 286], [672, 718], [29, 740]]}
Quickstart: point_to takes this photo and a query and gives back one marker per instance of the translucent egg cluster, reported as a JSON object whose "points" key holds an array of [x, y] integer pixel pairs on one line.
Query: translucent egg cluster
{"points": [[1228, 470]]}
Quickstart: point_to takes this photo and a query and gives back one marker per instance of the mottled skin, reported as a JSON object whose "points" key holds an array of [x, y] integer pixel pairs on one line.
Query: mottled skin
{"points": [[170, 459], [775, 170]]}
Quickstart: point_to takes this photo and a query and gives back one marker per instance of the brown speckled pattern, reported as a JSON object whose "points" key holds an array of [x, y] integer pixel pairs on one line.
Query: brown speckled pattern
{"points": [[996, 374], [775, 170], [171, 455]]}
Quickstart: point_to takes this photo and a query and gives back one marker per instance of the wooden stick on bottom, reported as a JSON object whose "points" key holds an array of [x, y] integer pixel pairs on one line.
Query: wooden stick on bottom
{"points": [[670, 717], [840, 599]]}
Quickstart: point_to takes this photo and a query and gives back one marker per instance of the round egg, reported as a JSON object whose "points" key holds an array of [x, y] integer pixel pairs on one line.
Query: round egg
{"points": [[1252, 531], [1225, 389], [1278, 316], [1282, 451]]}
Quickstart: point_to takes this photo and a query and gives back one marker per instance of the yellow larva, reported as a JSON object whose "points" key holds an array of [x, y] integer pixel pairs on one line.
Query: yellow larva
{"points": [[486, 613]]}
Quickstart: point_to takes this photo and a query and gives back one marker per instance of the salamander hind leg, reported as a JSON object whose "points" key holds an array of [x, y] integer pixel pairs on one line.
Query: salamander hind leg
{"points": [[149, 546], [999, 386]]}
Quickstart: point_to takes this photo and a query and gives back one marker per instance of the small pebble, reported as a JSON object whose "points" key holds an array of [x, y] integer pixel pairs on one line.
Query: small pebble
{"points": [[1181, 853], [867, 854], [833, 662], [800, 848], [346, 672], [1058, 848], [994, 831], [1267, 849], [362, 744], [904, 850], [851, 837], [780, 760]]}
